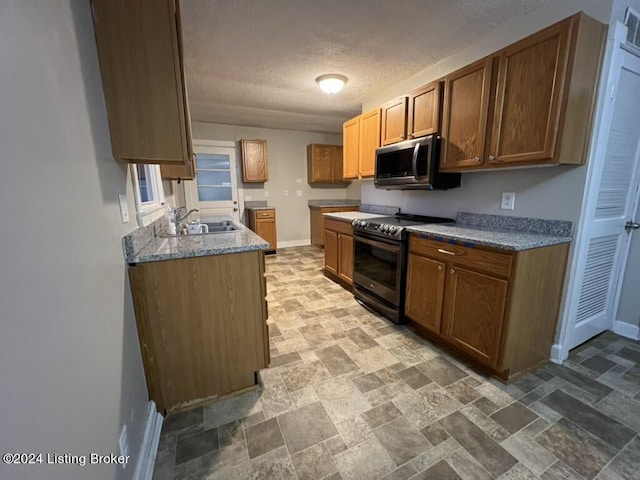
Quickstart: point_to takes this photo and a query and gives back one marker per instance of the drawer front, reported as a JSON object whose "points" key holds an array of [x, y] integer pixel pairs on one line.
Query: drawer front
{"points": [[265, 213], [338, 226], [474, 257]]}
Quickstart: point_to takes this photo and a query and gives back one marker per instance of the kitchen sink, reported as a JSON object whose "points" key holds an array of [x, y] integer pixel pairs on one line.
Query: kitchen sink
{"points": [[223, 226]]}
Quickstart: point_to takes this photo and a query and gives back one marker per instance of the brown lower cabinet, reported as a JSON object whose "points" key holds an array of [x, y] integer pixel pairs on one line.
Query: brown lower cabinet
{"points": [[263, 223], [316, 215], [497, 308], [338, 250], [201, 325]]}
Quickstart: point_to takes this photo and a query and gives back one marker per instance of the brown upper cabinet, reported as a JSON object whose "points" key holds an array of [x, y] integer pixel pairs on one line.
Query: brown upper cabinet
{"points": [[394, 121], [324, 164], [254, 161], [361, 137], [425, 105], [140, 55], [529, 104]]}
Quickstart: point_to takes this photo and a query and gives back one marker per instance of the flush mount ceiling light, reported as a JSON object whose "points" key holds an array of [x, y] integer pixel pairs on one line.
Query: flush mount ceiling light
{"points": [[331, 82]]}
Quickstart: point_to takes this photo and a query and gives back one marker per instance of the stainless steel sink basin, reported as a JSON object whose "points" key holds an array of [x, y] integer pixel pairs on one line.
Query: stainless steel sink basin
{"points": [[223, 226]]}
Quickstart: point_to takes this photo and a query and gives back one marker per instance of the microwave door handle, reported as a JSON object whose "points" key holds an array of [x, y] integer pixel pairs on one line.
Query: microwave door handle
{"points": [[414, 160]]}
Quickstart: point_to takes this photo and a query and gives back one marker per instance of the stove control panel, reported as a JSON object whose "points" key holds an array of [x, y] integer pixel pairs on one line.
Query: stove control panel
{"points": [[382, 229]]}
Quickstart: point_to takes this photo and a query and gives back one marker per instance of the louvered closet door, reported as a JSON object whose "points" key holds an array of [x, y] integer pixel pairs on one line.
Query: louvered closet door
{"points": [[603, 262]]}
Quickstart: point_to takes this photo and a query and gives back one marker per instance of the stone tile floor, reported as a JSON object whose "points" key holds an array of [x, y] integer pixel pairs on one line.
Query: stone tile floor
{"points": [[349, 395]]}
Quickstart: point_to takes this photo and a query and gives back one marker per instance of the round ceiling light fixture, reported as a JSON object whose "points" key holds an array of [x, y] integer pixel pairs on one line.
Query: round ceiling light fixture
{"points": [[331, 82]]}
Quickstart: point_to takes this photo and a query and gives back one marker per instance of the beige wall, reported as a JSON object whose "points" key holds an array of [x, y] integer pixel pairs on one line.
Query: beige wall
{"points": [[70, 365], [553, 192], [287, 154]]}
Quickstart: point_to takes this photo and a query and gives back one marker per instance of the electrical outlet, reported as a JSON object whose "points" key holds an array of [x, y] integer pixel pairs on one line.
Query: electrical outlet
{"points": [[298, 193], [124, 208], [123, 443], [133, 416], [266, 194], [247, 198], [286, 193], [508, 201], [298, 180]]}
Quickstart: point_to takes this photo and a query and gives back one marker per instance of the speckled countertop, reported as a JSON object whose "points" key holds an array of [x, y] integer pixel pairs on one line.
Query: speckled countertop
{"points": [[351, 215], [257, 205], [334, 203], [498, 231], [187, 246]]}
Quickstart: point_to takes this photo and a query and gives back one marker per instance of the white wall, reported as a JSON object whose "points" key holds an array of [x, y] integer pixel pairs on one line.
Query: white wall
{"points": [[287, 157], [70, 365], [554, 192]]}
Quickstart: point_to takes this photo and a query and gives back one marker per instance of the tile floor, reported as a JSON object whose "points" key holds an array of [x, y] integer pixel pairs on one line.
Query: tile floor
{"points": [[349, 395]]}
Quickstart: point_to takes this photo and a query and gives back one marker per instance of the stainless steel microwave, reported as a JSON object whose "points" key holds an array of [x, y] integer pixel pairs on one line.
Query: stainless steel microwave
{"points": [[412, 165]]}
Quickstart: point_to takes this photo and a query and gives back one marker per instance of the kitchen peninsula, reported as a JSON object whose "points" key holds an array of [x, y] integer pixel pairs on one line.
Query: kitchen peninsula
{"points": [[200, 311]]}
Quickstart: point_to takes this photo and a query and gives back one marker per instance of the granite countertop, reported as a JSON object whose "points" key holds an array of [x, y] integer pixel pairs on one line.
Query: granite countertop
{"points": [[498, 231], [257, 205], [351, 215], [334, 203], [187, 246]]}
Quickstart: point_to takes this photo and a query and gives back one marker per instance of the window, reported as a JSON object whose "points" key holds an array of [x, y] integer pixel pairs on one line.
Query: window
{"points": [[148, 192]]}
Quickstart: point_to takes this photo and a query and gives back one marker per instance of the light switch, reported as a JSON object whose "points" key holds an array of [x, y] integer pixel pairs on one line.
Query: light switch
{"points": [[247, 198], [298, 193], [124, 209], [266, 194], [286, 193]]}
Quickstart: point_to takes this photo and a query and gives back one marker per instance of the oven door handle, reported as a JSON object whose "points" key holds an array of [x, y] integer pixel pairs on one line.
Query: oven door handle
{"points": [[383, 245]]}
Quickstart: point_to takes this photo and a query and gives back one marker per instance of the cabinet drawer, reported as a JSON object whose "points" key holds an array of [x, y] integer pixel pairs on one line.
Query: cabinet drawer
{"points": [[338, 226], [477, 258], [264, 213]]}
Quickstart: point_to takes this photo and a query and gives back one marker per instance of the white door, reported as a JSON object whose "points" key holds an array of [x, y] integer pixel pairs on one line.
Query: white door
{"points": [[613, 198], [214, 190]]}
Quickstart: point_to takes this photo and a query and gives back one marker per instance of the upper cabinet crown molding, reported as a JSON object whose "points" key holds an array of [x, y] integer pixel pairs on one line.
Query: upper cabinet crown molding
{"points": [[255, 168], [530, 103], [140, 54]]}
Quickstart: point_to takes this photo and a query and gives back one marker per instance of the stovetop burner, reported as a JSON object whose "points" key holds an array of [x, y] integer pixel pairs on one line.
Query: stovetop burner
{"points": [[393, 227]]}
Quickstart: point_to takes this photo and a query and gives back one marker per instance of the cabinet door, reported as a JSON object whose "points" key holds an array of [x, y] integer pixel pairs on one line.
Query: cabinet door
{"points": [[320, 163], [337, 164], [370, 140], [424, 110], [266, 228], [351, 145], [425, 291], [531, 79], [474, 313], [466, 106], [331, 251], [140, 56], [345, 258], [254, 161], [179, 172], [394, 121]]}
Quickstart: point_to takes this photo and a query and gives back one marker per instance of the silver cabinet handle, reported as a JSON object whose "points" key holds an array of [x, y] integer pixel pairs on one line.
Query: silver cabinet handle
{"points": [[440, 268], [446, 251], [492, 157], [477, 159], [452, 271]]}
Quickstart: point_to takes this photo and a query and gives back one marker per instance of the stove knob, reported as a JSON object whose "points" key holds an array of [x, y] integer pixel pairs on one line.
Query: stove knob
{"points": [[393, 229]]}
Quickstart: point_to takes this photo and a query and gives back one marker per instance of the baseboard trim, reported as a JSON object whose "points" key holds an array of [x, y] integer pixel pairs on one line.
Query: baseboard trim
{"points": [[626, 330], [294, 243], [149, 447], [558, 355]]}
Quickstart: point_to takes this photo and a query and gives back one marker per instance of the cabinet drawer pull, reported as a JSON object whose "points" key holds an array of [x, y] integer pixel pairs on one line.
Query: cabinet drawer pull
{"points": [[446, 251]]}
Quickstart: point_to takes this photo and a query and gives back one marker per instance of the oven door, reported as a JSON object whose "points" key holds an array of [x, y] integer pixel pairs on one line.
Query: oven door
{"points": [[377, 266]]}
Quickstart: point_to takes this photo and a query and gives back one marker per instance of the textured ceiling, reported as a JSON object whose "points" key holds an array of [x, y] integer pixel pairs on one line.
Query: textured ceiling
{"points": [[254, 62]]}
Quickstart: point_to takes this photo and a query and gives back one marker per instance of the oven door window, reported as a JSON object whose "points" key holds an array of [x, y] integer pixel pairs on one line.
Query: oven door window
{"points": [[378, 264]]}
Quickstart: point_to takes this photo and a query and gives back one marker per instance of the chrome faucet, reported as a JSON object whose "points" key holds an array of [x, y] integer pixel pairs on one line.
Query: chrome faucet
{"points": [[178, 219]]}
